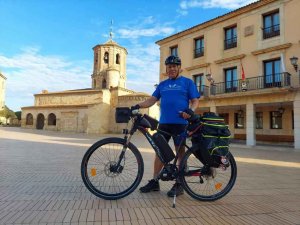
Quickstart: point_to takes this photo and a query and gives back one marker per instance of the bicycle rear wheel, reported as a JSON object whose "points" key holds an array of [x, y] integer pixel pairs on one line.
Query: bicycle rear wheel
{"points": [[99, 175], [206, 183]]}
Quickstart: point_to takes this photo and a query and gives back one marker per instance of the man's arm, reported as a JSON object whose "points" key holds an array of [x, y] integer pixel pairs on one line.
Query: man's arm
{"points": [[149, 102], [193, 107], [194, 104]]}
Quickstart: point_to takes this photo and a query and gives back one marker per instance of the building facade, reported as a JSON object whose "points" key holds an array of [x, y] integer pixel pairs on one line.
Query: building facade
{"points": [[2, 96], [241, 64], [90, 110], [2, 90]]}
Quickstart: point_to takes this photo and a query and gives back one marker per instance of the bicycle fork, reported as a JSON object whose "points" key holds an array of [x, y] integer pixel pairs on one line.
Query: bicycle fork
{"points": [[117, 168]]}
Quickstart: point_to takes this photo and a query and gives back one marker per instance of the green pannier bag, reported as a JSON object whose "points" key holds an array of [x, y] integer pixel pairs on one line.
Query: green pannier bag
{"points": [[210, 140]]}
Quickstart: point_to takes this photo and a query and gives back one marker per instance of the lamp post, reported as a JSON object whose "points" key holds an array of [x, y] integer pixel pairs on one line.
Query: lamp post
{"points": [[211, 81], [294, 62]]}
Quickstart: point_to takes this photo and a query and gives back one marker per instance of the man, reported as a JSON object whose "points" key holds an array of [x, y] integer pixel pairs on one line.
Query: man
{"points": [[178, 97]]}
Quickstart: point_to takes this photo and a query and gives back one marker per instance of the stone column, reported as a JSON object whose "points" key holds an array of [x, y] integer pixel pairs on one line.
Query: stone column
{"points": [[250, 125], [297, 122], [213, 109]]}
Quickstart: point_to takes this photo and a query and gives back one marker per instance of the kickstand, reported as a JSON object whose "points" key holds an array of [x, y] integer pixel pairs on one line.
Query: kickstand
{"points": [[174, 201], [174, 198]]}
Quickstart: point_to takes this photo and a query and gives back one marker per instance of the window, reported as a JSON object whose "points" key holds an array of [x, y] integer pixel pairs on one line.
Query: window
{"points": [[52, 119], [106, 57], [230, 38], [272, 75], [259, 120], [199, 80], [96, 58], [271, 25], [231, 82], [29, 119], [199, 47], [239, 120], [118, 58], [174, 50], [103, 83], [276, 120]]}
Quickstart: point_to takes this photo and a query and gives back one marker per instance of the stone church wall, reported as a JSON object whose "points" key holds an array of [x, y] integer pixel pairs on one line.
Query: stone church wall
{"points": [[68, 98]]}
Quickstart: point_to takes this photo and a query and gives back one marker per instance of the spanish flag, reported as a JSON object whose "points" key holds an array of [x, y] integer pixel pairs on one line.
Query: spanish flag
{"points": [[243, 73]]}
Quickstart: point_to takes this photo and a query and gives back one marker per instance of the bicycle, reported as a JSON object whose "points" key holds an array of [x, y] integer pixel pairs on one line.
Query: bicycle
{"points": [[113, 167]]}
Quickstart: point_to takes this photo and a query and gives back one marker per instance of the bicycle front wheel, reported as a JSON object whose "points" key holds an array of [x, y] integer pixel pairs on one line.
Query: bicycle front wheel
{"points": [[101, 175], [206, 183]]}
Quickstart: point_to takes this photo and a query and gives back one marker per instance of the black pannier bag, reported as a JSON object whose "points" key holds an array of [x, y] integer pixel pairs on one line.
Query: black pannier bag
{"points": [[166, 153], [210, 140], [122, 114]]}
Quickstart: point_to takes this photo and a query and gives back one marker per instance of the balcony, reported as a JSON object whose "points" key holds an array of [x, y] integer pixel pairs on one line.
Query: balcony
{"points": [[272, 31], [253, 83], [230, 43], [203, 90], [199, 52]]}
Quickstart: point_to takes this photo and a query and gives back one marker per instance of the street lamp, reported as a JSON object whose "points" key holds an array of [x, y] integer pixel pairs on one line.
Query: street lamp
{"points": [[210, 79], [294, 62]]}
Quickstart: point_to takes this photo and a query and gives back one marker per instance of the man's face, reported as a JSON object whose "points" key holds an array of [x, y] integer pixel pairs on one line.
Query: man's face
{"points": [[173, 70]]}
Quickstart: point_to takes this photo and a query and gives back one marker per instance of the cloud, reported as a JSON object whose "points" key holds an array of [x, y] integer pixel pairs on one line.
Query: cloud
{"points": [[148, 32], [29, 72], [145, 27], [225, 4], [143, 68]]}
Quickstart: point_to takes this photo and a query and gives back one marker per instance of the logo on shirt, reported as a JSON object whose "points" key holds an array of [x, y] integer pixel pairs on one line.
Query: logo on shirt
{"points": [[172, 85]]}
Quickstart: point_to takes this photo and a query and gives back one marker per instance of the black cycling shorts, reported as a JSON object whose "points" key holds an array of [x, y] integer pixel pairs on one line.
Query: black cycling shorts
{"points": [[175, 129]]}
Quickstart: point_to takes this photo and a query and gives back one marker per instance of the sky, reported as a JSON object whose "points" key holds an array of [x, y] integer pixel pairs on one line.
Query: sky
{"points": [[47, 45]]}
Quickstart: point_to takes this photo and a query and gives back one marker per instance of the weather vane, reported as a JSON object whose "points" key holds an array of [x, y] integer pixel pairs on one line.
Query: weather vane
{"points": [[111, 30]]}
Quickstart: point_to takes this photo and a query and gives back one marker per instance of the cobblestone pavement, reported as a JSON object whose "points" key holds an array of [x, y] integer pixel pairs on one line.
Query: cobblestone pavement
{"points": [[40, 183]]}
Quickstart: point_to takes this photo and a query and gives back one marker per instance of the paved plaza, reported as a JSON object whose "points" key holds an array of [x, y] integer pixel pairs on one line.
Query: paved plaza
{"points": [[40, 183]]}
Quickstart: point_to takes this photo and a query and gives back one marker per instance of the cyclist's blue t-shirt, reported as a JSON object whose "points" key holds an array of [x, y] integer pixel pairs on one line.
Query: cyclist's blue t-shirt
{"points": [[174, 97]]}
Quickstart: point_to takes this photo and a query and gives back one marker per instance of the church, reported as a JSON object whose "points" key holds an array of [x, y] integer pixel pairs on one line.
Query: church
{"points": [[89, 110]]}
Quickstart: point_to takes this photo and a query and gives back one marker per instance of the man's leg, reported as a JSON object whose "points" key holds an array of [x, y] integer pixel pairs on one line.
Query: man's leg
{"points": [[153, 185], [177, 187], [158, 165], [181, 152]]}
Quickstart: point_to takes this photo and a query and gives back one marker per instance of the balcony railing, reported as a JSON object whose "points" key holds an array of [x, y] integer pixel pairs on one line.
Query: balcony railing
{"points": [[254, 83], [199, 52], [230, 43], [203, 90], [272, 31]]}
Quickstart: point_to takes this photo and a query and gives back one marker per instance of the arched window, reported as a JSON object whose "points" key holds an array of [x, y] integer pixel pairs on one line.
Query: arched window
{"points": [[118, 59], [29, 119], [106, 57], [52, 119], [104, 83]]}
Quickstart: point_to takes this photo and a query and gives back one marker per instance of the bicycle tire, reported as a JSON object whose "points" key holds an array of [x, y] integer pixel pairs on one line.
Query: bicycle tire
{"points": [[97, 166], [215, 181]]}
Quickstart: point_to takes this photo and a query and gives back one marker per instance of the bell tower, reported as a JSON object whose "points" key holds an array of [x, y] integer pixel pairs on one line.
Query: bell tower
{"points": [[109, 65]]}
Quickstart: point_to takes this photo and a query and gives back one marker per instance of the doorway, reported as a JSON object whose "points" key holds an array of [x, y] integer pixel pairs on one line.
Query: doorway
{"points": [[40, 121]]}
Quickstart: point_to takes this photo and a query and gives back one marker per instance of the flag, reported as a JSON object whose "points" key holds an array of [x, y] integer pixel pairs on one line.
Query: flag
{"points": [[283, 69], [243, 73], [243, 83]]}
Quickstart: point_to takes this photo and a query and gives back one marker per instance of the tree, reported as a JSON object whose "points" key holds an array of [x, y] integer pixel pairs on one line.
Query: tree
{"points": [[7, 113], [18, 114]]}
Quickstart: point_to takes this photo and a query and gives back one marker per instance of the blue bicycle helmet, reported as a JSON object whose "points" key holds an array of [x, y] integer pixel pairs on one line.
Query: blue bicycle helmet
{"points": [[173, 60]]}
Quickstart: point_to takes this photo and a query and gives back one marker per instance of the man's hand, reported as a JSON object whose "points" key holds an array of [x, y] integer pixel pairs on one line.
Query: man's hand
{"points": [[188, 113], [135, 108]]}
